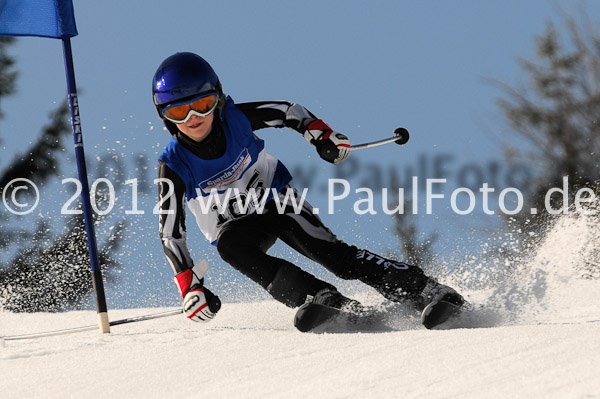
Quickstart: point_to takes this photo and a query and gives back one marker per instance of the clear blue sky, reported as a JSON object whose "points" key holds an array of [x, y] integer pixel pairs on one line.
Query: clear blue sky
{"points": [[365, 68]]}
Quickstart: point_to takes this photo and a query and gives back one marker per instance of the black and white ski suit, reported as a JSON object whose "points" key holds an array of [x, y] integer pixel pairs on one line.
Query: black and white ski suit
{"points": [[244, 242]]}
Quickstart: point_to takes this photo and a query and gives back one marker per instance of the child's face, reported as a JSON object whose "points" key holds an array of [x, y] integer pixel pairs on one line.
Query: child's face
{"points": [[197, 127]]}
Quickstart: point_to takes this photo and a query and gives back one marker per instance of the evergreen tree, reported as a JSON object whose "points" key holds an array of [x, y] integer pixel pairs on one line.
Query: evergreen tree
{"points": [[47, 272], [7, 74], [557, 114]]}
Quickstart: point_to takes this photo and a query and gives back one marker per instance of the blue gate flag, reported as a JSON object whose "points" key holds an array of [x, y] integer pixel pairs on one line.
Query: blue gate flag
{"points": [[45, 18], [56, 19]]}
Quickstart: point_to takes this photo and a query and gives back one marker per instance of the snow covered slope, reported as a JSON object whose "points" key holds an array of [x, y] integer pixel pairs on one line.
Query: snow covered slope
{"points": [[535, 335]]}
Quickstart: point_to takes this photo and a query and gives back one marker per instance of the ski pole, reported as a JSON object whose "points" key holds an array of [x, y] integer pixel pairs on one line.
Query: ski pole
{"points": [[401, 137], [327, 149], [91, 328]]}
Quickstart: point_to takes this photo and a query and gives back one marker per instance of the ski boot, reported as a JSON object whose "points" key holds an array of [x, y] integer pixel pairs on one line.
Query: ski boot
{"points": [[410, 285], [400, 285], [439, 303], [436, 292], [328, 308], [332, 298]]}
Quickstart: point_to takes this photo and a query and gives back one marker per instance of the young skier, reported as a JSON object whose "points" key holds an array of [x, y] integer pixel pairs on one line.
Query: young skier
{"points": [[214, 152]]}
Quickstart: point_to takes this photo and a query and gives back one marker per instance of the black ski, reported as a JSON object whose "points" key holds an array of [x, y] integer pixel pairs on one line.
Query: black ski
{"points": [[316, 318], [437, 313]]}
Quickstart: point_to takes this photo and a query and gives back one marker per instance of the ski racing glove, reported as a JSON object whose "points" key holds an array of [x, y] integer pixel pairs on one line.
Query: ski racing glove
{"points": [[332, 146], [199, 304]]}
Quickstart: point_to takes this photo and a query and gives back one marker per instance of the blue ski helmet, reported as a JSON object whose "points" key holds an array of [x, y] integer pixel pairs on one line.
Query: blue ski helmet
{"points": [[181, 76]]}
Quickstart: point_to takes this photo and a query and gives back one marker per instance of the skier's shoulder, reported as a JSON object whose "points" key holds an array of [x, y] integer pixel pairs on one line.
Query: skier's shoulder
{"points": [[254, 108], [168, 150]]}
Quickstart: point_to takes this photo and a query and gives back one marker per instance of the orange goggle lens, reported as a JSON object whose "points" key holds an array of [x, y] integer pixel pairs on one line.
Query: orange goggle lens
{"points": [[179, 113]]}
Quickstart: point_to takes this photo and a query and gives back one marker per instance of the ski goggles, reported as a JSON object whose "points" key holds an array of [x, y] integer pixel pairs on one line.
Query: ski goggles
{"points": [[202, 105]]}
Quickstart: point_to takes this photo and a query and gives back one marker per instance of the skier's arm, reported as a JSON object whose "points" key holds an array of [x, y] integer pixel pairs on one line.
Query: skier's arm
{"points": [[199, 304], [264, 114], [171, 197], [332, 146]]}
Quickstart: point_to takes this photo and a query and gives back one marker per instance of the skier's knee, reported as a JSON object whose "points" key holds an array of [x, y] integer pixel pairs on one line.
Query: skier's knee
{"points": [[343, 261], [234, 250]]}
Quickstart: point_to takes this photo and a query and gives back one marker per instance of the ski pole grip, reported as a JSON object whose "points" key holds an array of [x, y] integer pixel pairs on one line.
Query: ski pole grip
{"points": [[214, 304], [213, 301], [327, 150]]}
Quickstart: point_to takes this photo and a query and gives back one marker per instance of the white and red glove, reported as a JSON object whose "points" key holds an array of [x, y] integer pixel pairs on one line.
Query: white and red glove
{"points": [[332, 146], [199, 304]]}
